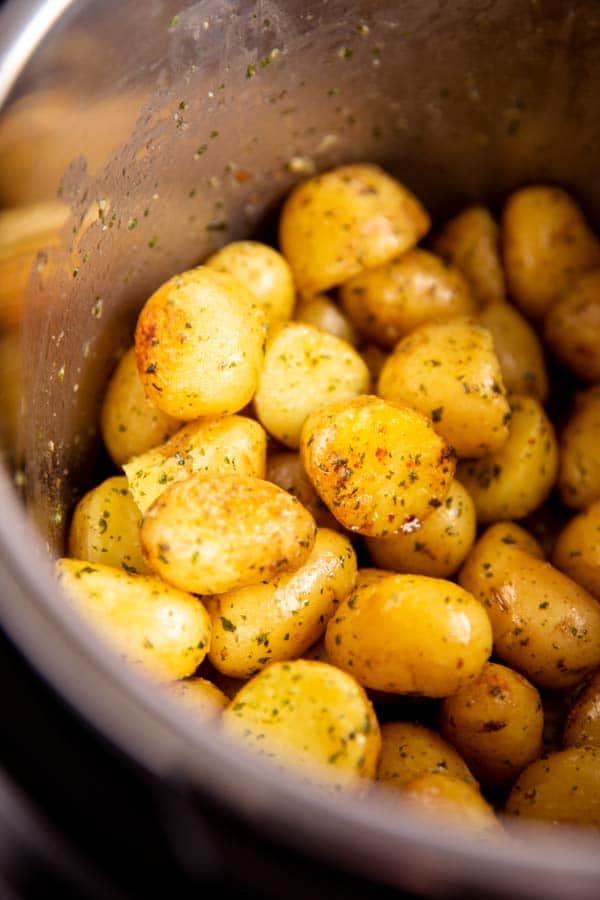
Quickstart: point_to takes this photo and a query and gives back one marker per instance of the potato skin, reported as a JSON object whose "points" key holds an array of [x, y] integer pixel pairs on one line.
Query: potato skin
{"points": [[213, 445], [546, 244], [380, 468], [440, 545], [305, 368], [199, 344], [352, 218], [577, 549], [409, 634], [130, 423], [450, 372], [579, 472], [513, 535], [281, 619], [495, 723], [582, 728], [409, 751], [517, 478], [200, 697], [286, 470], [387, 302], [453, 802], [214, 533], [572, 327], [310, 717], [519, 350], [130, 612], [323, 313]]}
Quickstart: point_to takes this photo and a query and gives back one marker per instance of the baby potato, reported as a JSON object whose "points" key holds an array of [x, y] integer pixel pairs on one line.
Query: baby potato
{"points": [[579, 472], [514, 480], [323, 313], [409, 751], [130, 423], [471, 242], [309, 717], [572, 327], [545, 626], [518, 349], [380, 468], [409, 634], [513, 535], [199, 344], [387, 302], [340, 222], [452, 802], [582, 728], [495, 723], [286, 470], [280, 619], [305, 368], [164, 631], [200, 697], [214, 445], [546, 244], [441, 544], [561, 788], [577, 549], [214, 533], [105, 528], [264, 271], [450, 372]]}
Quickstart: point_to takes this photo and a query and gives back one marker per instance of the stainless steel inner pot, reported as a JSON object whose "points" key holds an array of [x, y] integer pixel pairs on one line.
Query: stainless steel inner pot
{"points": [[167, 128]]}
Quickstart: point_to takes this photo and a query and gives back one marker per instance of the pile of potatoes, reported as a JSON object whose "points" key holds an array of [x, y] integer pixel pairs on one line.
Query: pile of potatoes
{"points": [[335, 460]]}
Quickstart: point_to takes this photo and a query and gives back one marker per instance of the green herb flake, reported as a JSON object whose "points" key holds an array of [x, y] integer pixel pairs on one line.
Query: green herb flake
{"points": [[227, 624]]}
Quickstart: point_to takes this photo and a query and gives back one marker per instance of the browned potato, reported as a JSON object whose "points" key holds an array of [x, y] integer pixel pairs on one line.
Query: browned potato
{"points": [[519, 350], [495, 723], [409, 751], [200, 697], [323, 313], [286, 470], [572, 327], [582, 728], [454, 803], [380, 468], [387, 302], [579, 473], [577, 549], [512, 534]]}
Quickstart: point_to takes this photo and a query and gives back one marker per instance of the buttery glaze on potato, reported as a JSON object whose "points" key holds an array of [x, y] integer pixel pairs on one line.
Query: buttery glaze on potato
{"points": [[409, 750], [200, 697], [572, 327], [286, 470], [582, 728], [519, 350], [577, 549], [453, 802], [379, 467], [579, 472], [323, 313], [514, 535]]}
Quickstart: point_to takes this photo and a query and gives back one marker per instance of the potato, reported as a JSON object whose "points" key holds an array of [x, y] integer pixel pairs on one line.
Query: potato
{"points": [[305, 368], [309, 717], [213, 445], [582, 728], [572, 327], [452, 802], [495, 723], [561, 788], [214, 533], [577, 549], [130, 423], [380, 468], [286, 470], [579, 473], [280, 619], [409, 634], [513, 535], [439, 547], [546, 244], [387, 302], [11, 391], [105, 528], [164, 631], [323, 313], [471, 242], [198, 696], [450, 372], [409, 751], [545, 626], [517, 478], [351, 218], [518, 349], [263, 271], [199, 344]]}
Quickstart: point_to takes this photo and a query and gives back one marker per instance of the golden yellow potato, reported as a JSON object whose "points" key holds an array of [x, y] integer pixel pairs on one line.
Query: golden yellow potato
{"points": [[199, 344], [577, 549], [150, 624], [387, 302], [546, 244], [105, 528], [545, 626], [305, 368], [409, 634], [452, 802], [130, 423], [582, 728], [198, 696], [213, 445], [471, 242], [495, 723], [440, 545], [323, 313], [579, 472], [511, 534], [309, 717], [213, 533], [368, 576], [519, 350], [280, 619], [450, 372], [380, 468], [561, 788], [517, 478], [351, 218], [409, 751], [265, 273], [572, 327], [286, 470]]}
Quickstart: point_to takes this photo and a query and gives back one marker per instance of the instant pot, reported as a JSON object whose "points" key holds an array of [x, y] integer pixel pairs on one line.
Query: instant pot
{"points": [[152, 133]]}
